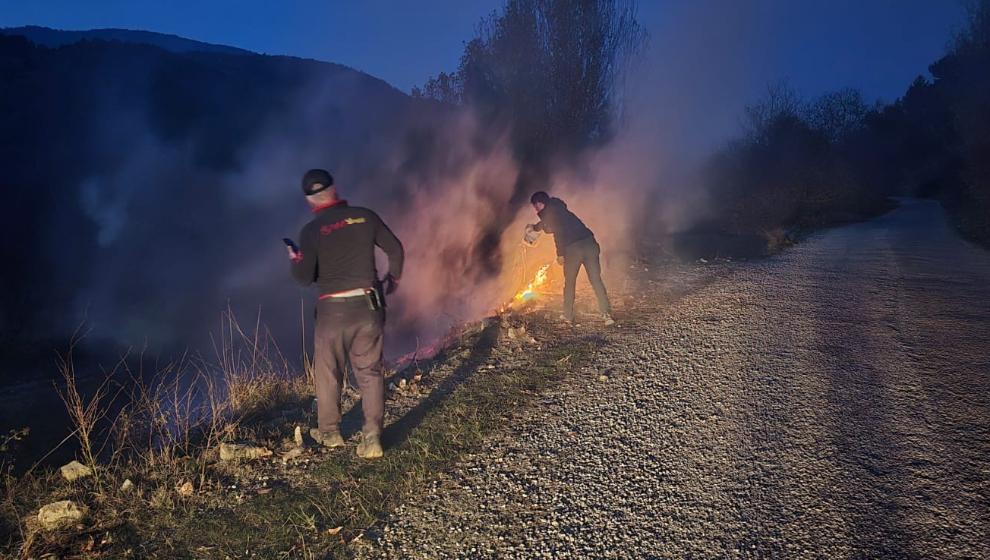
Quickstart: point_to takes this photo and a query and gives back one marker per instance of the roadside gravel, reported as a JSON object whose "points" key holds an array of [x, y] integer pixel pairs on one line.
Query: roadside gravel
{"points": [[833, 401]]}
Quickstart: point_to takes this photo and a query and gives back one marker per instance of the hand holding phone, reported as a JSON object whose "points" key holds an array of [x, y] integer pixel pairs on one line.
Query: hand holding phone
{"points": [[294, 253]]}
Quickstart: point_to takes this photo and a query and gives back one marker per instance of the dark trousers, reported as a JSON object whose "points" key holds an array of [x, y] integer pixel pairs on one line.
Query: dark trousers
{"points": [[584, 252], [348, 332]]}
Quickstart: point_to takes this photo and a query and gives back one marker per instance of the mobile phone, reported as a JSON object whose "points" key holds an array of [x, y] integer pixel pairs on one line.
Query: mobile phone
{"points": [[290, 244]]}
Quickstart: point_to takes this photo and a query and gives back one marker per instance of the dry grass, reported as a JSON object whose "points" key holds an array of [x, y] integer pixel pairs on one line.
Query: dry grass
{"points": [[166, 431], [154, 428]]}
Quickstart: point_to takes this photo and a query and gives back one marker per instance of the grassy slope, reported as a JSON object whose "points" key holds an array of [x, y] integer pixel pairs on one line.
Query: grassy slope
{"points": [[316, 507]]}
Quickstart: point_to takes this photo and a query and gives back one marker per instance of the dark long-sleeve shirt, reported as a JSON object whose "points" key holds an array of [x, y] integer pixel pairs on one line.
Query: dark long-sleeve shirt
{"points": [[338, 249], [566, 228]]}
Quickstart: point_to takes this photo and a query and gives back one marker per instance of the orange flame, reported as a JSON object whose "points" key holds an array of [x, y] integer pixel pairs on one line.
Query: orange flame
{"points": [[530, 291]]}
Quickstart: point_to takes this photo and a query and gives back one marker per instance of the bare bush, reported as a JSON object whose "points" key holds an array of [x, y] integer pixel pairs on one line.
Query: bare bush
{"points": [[88, 412]]}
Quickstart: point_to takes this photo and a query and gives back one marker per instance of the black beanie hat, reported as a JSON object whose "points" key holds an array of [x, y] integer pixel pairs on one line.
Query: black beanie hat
{"points": [[539, 196], [313, 177]]}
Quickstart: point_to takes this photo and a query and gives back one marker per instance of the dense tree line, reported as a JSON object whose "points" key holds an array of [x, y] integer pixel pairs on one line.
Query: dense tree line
{"points": [[948, 123], [807, 164], [798, 164]]}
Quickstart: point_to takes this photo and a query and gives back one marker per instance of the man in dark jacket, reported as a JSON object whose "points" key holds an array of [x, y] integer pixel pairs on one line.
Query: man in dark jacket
{"points": [[576, 246], [337, 252]]}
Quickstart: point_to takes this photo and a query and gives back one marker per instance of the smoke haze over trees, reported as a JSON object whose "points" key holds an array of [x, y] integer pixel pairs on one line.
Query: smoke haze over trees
{"points": [[146, 188], [151, 182], [550, 71], [537, 92]]}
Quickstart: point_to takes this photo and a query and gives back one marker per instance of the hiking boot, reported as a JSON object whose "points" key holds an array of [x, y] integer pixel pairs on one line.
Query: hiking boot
{"points": [[370, 447], [609, 321], [327, 439]]}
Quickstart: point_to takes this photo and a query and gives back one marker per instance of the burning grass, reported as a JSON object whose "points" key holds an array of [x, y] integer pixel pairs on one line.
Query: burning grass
{"points": [[531, 291]]}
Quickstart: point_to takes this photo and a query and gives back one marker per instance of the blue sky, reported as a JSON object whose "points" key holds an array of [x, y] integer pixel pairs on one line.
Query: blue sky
{"points": [[707, 59], [877, 45]]}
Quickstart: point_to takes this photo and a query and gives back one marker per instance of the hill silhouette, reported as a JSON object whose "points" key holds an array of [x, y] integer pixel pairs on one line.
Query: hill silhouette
{"points": [[48, 37]]}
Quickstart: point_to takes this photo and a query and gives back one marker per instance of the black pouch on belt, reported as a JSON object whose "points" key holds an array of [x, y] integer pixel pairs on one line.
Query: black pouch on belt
{"points": [[374, 298]]}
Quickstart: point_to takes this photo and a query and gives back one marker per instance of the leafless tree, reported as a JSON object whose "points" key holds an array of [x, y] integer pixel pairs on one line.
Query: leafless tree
{"points": [[443, 87], [552, 68], [837, 114], [781, 101]]}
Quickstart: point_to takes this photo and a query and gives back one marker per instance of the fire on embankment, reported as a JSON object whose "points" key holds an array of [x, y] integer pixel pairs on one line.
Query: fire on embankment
{"points": [[462, 225]]}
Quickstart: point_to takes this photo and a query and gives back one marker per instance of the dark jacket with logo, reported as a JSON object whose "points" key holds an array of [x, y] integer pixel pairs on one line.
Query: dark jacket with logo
{"points": [[338, 249], [566, 228]]}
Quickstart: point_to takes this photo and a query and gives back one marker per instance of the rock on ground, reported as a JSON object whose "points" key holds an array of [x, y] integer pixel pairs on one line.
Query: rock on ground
{"points": [[75, 470], [60, 514]]}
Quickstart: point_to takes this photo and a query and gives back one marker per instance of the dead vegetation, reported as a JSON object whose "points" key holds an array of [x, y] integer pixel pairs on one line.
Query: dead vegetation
{"points": [[143, 438], [160, 488]]}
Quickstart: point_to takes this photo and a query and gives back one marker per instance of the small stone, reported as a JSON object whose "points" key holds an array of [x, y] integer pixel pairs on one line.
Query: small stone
{"points": [[603, 378], [297, 436], [402, 383], [75, 470], [186, 489], [60, 514], [127, 487], [238, 451]]}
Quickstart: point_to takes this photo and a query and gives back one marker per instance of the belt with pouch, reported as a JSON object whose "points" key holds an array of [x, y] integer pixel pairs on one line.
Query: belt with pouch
{"points": [[371, 295]]}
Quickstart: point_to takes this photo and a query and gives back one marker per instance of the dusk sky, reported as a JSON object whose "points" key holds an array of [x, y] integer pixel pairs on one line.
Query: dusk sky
{"points": [[876, 45]]}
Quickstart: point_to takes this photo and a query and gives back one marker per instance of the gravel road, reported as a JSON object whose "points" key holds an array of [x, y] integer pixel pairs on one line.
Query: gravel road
{"points": [[833, 401]]}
